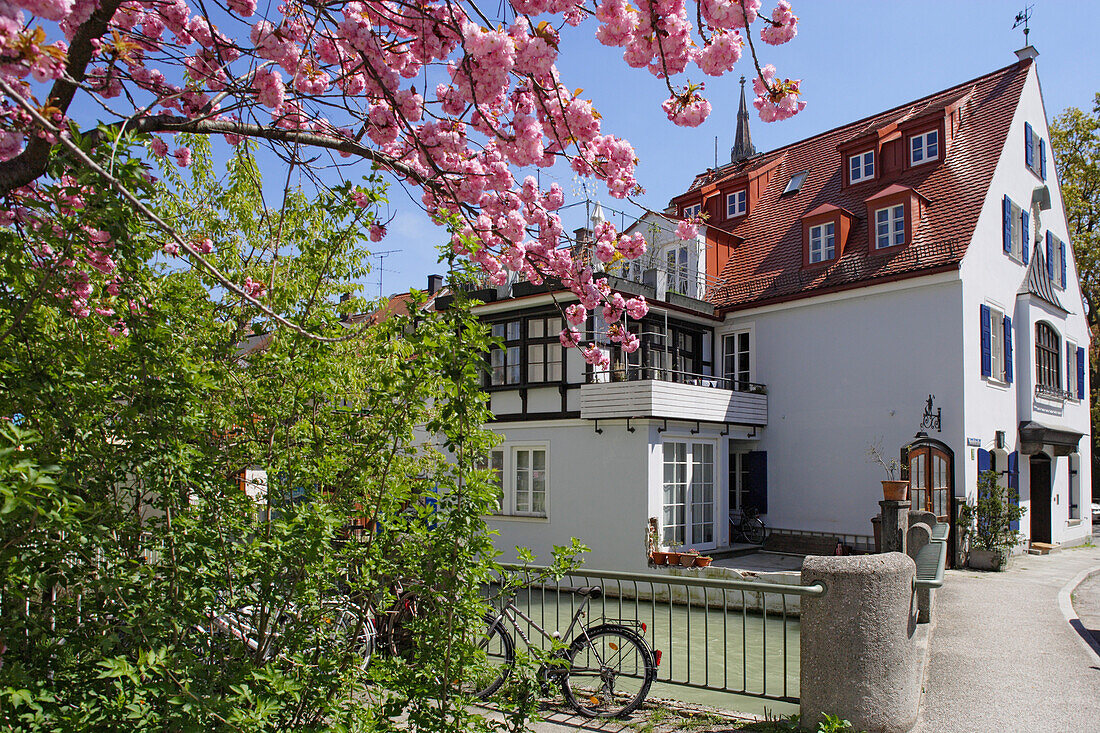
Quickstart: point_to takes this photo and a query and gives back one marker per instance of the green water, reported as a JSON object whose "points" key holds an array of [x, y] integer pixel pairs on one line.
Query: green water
{"points": [[734, 650]]}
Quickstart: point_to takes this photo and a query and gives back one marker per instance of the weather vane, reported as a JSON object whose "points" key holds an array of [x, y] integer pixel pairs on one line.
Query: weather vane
{"points": [[1022, 18]]}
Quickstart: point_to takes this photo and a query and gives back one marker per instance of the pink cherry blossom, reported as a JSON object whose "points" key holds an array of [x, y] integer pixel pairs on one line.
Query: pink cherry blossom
{"points": [[687, 229], [637, 308], [377, 232], [569, 338], [183, 157]]}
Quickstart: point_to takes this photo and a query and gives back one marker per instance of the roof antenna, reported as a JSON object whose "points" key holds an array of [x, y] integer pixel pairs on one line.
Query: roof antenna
{"points": [[1022, 18]]}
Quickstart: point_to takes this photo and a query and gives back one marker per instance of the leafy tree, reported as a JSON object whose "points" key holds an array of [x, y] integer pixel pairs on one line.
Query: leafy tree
{"points": [[1075, 140], [125, 531]]}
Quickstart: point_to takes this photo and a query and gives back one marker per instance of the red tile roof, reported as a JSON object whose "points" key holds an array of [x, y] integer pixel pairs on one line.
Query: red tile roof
{"points": [[768, 265]]}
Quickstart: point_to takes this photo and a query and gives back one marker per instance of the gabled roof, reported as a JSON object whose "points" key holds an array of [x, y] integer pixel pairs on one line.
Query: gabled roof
{"points": [[769, 264], [1038, 283]]}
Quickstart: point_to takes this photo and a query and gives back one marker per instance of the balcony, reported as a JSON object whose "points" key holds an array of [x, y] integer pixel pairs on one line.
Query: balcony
{"points": [[663, 393]]}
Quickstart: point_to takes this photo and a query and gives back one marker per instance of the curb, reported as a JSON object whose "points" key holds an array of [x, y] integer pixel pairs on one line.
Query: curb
{"points": [[1084, 636]]}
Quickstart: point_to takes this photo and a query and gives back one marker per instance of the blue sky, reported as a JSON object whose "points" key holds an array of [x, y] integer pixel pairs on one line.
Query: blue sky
{"points": [[854, 59]]}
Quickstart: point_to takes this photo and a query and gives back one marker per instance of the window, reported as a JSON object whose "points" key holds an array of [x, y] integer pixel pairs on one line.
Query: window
{"points": [[670, 351], [543, 349], [1016, 228], [739, 481], [521, 479], [693, 210], [504, 361], [861, 167], [1035, 152], [676, 260], [688, 494], [736, 203], [997, 347], [1056, 261], [1048, 361], [923, 148], [1071, 371], [890, 227], [737, 359], [822, 242], [996, 344], [795, 184]]}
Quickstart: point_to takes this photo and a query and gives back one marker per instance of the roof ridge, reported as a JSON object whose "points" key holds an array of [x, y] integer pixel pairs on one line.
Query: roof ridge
{"points": [[898, 108]]}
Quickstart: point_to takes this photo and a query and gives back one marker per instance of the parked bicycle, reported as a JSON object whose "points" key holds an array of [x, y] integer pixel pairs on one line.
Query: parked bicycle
{"points": [[604, 671], [748, 526]]}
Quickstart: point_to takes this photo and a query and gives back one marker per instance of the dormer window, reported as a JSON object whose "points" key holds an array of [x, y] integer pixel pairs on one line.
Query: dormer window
{"points": [[737, 203], [822, 242], [693, 210], [890, 226], [924, 148], [861, 167]]}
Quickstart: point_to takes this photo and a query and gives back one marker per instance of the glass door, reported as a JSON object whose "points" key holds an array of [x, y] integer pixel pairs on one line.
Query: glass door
{"points": [[688, 495]]}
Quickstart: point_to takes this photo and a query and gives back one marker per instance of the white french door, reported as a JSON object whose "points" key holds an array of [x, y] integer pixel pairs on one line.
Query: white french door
{"points": [[688, 495]]}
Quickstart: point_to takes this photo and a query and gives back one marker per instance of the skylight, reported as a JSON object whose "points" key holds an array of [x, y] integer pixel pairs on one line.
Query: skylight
{"points": [[796, 182]]}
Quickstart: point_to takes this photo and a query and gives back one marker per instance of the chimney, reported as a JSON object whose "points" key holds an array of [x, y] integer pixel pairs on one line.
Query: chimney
{"points": [[582, 235], [1027, 52], [435, 284]]}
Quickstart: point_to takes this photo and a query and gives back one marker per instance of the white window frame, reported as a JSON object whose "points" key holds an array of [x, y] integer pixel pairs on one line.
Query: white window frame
{"points": [[1056, 260], [920, 144], [693, 210], [689, 483], [737, 203], [895, 225], [862, 162], [1019, 237], [825, 242], [679, 271], [509, 467], [738, 473], [1071, 373], [735, 377], [996, 344]]}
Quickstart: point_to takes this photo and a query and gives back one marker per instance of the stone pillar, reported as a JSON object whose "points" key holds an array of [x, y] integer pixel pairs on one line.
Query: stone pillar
{"points": [[895, 520], [858, 655]]}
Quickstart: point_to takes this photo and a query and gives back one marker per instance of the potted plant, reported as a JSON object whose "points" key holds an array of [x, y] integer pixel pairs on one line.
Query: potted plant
{"points": [[653, 543], [703, 561], [892, 488], [673, 553], [988, 523], [687, 559]]}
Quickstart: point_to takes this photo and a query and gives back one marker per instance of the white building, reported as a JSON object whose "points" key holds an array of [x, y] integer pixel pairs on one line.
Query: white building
{"points": [[839, 284]]}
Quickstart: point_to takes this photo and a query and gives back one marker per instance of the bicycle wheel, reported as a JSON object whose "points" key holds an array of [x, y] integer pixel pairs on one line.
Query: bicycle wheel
{"points": [[400, 641], [493, 657], [608, 672], [753, 529]]}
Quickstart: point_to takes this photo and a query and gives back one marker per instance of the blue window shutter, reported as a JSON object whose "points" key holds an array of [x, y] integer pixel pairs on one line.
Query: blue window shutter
{"points": [[987, 354], [1008, 349], [1050, 256], [984, 461], [758, 479], [1062, 260], [1080, 372], [1029, 146], [1025, 232], [1014, 485], [1043, 158], [1006, 207]]}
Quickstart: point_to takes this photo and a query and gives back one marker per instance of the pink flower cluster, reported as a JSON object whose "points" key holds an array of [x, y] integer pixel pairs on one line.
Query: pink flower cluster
{"points": [[687, 229], [785, 25], [687, 108], [776, 100]]}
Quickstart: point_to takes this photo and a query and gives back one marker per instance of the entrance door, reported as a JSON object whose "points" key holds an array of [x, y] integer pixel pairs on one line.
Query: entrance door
{"points": [[1040, 498], [930, 481]]}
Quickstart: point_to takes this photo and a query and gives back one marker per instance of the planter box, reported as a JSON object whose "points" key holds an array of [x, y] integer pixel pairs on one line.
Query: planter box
{"points": [[987, 559]]}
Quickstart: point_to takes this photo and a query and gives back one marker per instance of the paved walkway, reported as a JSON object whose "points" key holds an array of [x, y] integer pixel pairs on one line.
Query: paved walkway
{"points": [[1003, 655]]}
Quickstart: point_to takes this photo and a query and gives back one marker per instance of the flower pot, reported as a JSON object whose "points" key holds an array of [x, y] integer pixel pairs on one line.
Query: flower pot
{"points": [[895, 490], [658, 557], [987, 559], [687, 560], [672, 558], [703, 561]]}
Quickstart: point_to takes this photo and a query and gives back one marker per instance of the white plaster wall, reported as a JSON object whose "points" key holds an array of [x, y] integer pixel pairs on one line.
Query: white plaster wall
{"points": [[990, 276], [597, 492], [843, 370]]}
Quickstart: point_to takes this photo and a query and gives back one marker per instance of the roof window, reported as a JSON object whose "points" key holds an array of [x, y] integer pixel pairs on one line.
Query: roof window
{"points": [[795, 184]]}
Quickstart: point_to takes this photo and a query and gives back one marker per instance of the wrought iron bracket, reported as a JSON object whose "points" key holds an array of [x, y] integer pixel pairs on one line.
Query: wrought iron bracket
{"points": [[696, 430], [629, 427], [599, 430], [726, 431], [664, 428]]}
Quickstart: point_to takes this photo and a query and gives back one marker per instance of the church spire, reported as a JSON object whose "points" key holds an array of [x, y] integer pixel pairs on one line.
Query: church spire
{"points": [[742, 141]]}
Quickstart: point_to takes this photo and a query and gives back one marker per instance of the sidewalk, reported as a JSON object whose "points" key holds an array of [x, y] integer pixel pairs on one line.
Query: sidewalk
{"points": [[1003, 655]]}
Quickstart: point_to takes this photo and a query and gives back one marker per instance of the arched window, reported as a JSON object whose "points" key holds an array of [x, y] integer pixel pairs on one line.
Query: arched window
{"points": [[1048, 361]]}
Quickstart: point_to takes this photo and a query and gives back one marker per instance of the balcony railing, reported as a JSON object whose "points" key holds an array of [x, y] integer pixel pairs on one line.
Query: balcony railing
{"points": [[1054, 393], [642, 391]]}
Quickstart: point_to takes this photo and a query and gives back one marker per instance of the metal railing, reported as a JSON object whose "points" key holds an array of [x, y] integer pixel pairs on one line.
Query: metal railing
{"points": [[733, 636], [642, 373]]}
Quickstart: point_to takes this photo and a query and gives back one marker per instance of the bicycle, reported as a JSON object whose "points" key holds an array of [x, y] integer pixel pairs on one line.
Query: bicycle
{"points": [[749, 527], [605, 671]]}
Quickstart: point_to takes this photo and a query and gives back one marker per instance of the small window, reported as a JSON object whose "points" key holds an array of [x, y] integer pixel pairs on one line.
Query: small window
{"points": [[861, 167], [543, 350], [795, 184], [1034, 151], [822, 242], [1071, 370], [890, 227], [737, 358], [736, 203], [693, 210], [504, 361], [530, 481], [1048, 358], [996, 342], [923, 148]]}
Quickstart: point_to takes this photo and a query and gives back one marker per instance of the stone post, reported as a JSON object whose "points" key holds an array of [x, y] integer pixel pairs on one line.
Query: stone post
{"points": [[858, 654], [895, 521]]}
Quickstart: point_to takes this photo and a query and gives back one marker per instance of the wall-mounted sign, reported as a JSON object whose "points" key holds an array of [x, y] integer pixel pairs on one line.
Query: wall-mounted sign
{"points": [[930, 419], [974, 442]]}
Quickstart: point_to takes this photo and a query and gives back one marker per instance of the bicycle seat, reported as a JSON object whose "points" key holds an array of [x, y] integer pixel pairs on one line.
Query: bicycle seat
{"points": [[593, 591]]}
